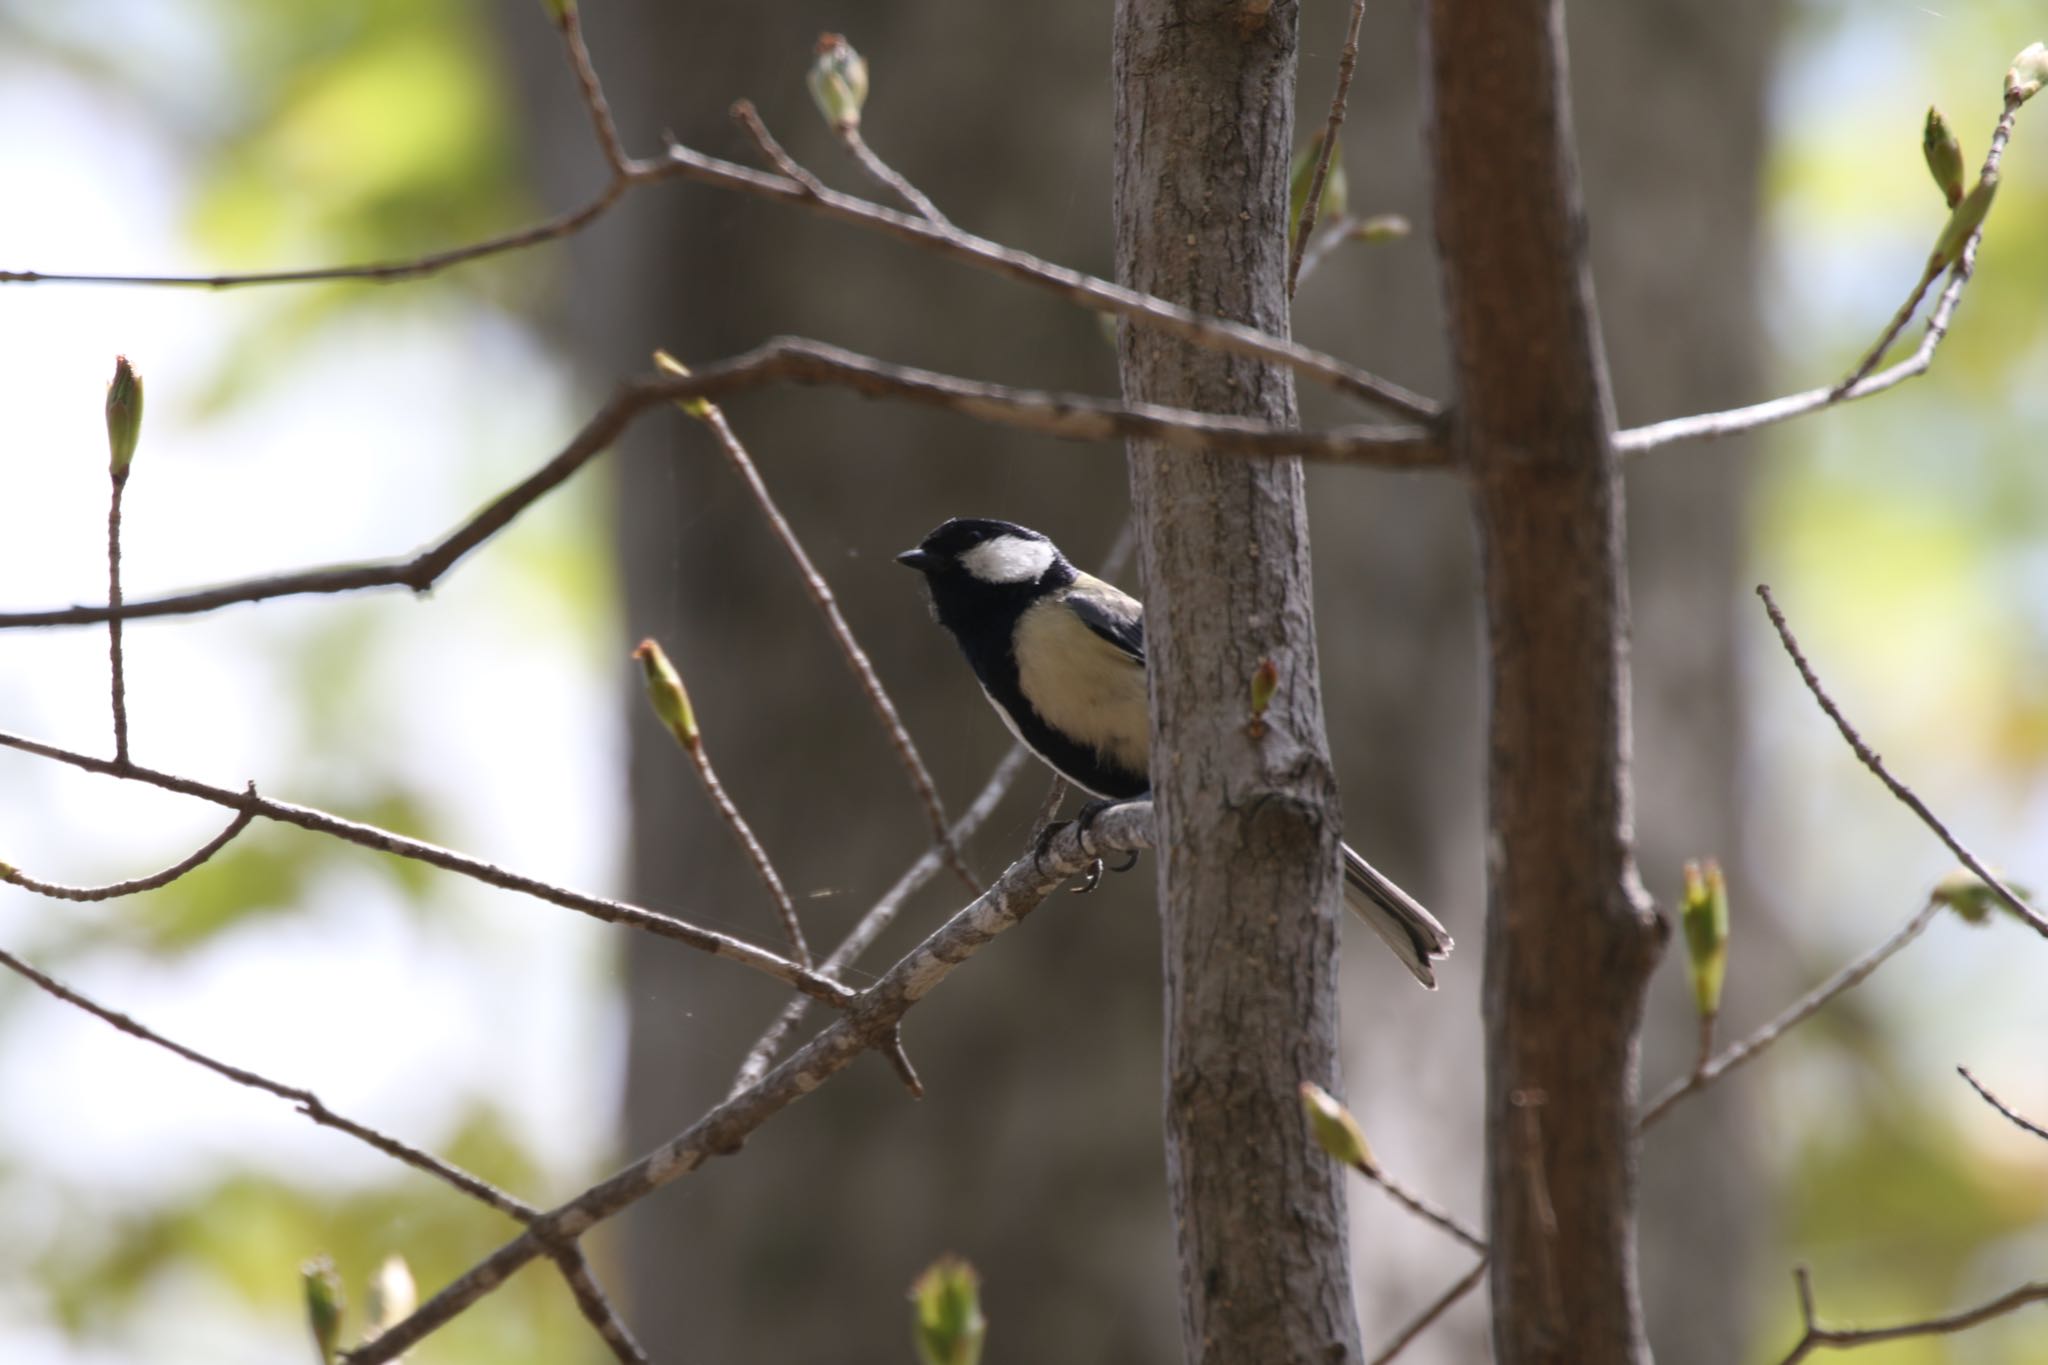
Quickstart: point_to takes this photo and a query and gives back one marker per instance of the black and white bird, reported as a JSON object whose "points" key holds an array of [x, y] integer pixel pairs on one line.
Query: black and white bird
{"points": [[1061, 656]]}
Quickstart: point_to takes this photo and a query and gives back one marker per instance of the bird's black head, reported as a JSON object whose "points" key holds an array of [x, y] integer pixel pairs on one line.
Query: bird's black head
{"points": [[995, 554], [983, 572]]}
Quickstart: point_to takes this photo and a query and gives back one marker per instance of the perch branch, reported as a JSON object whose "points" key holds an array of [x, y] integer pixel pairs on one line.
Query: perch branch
{"points": [[724, 1128], [881, 914]]}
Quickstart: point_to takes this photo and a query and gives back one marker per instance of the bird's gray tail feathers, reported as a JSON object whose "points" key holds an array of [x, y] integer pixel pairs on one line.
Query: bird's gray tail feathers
{"points": [[1411, 931]]}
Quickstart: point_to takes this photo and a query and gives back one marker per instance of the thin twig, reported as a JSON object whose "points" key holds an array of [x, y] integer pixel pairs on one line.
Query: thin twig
{"points": [[1870, 760], [794, 360], [1327, 240], [1847, 978], [117, 667], [1860, 384], [743, 835], [307, 1102], [880, 915], [596, 1308], [2020, 1121], [589, 1297], [821, 596], [384, 841], [1816, 1337], [723, 1129], [1875, 355], [1705, 1052], [569, 20], [154, 880], [871, 162], [749, 118], [1347, 62], [1423, 1321], [951, 243], [1423, 1208]]}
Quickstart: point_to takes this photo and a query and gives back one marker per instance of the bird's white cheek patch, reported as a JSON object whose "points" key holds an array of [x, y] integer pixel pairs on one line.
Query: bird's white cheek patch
{"points": [[1009, 559]]}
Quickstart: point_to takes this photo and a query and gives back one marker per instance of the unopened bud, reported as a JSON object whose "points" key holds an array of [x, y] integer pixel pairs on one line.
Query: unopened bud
{"points": [[323, 1305], [1333, 1128], [1265, 682], [1970, 896], [1705, 918], [666, 694], [2028, 73], [946, 1320], [124, 417], [839, 81], [560, 10], [1944, 156]]}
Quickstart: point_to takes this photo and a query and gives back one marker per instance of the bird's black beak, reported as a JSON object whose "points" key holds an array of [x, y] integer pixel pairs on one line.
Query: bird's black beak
{"points": [[916, 559]]}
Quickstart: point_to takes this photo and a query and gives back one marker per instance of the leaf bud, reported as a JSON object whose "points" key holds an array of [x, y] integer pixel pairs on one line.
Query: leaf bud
{"points": [[1944, 156], [947, 1323], [1705, 918], [124, 417], [839, 81], [666, 694], [1334, 1129]]}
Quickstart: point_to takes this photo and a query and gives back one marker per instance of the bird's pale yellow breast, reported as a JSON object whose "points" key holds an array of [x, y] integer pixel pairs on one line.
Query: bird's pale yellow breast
{"points": [[1082, 685]]}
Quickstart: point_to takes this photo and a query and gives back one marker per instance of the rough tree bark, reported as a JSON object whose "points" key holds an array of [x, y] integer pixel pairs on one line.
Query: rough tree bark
{"points": [[1248, 883], [1570, 940]]}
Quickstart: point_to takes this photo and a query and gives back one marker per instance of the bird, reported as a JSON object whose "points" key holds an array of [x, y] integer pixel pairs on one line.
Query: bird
{"points": [[1060, 655]]}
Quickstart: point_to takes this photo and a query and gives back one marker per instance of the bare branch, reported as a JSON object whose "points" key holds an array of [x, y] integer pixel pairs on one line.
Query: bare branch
{"points": [[1347, 62], [1860, 383], [821, 596], [384, 841], [595, 1307], [589, 1296], [881, 914], [889, 176], [307, 1102], [154, 880], [568, 19], [743, 835], [2024, 1124], [749, 118], [117, 668], [1847, 978], [723, 1129], [1429, 1315], [420, 572], [1817, 1337], [795, 360], [2013, 900], [1423, 1208]]}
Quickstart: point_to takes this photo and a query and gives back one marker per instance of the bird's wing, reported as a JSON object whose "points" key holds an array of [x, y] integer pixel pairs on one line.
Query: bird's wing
{"points": [[1111, 613]]}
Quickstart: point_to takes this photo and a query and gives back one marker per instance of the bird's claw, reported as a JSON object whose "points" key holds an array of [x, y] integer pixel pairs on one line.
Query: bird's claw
{"points": [[1091, 878]]}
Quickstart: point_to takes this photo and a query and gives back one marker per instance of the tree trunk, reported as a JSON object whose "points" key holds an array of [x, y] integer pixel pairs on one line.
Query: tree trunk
{"points": [[1248, 825], [1570, 940]]}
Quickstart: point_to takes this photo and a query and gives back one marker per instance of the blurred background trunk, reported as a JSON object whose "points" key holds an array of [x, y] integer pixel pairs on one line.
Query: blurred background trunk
{"points": [[1037, 1153]]}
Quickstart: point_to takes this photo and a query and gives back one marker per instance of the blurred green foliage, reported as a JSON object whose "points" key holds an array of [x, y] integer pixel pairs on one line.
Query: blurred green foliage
{"points": [[1912, 527]]}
